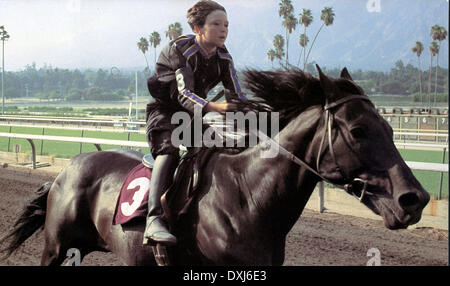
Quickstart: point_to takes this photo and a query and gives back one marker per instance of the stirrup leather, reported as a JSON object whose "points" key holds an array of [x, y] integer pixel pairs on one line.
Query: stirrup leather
{"points": [[161, 254]]}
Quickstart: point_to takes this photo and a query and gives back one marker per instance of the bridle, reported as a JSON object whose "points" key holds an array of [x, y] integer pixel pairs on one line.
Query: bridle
{"points": [[356, 187]]}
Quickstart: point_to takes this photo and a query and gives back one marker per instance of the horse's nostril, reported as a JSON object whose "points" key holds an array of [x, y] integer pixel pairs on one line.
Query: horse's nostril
{"points": [[408, 200]]}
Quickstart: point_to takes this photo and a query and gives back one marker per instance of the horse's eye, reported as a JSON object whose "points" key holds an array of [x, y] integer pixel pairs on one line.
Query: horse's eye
{"points": [[358, 133]]}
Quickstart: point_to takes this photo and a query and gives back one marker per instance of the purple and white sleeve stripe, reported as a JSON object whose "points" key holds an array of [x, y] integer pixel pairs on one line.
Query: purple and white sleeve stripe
{"points": [[194, 98]]}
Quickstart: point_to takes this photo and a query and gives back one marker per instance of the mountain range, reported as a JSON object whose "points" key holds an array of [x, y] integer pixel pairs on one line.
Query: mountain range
{"points": [[366, 34]]}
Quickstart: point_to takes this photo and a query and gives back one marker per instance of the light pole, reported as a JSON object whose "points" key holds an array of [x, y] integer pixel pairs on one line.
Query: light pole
{"points": [[4, 36], [136, 79]]}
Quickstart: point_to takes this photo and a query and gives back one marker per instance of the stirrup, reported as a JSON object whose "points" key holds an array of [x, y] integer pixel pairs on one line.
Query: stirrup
{"points": [[157, 232], [148, 161]]}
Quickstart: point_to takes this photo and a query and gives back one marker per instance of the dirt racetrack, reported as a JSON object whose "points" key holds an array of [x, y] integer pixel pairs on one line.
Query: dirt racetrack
{"points": [[316, 239]]}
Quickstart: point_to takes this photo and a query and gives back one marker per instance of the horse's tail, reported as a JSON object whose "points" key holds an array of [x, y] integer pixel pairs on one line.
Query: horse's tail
{"points": [[30, 220]]}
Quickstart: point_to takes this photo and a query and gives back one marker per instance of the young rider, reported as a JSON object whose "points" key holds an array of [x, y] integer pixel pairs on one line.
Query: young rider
{"points": [[187, 68]]}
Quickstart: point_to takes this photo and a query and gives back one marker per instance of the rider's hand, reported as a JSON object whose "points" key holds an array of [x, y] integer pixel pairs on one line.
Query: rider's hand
{"points": [[220, 107]]}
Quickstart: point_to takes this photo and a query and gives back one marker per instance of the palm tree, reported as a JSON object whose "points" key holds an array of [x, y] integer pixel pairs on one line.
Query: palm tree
{"points": [[290, 23], [178, 29], [306, 19], [434, 50], [143, 47], [303, 41], [271, 54], [278, 43], [418, 49], [327, 17], [442, 37], [155, 40], [174, 31], [437, 33], [286, 10]]}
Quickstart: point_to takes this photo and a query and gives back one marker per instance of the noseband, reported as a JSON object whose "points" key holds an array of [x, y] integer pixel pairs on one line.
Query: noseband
{"points": [[357, 186]]}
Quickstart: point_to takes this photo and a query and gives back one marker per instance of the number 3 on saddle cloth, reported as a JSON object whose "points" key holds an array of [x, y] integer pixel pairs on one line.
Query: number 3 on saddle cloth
{"points": [[133, 198]]}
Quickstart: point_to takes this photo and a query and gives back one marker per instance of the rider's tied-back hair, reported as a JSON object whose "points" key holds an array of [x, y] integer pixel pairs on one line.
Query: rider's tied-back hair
{"points": [[196, 15]]}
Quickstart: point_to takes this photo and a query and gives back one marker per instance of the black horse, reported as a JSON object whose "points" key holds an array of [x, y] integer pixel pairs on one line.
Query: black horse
{"points": [[246, 204]]}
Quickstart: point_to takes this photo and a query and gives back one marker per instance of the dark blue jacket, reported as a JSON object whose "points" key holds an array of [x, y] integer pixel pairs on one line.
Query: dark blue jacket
{"points": [[206, 73]]}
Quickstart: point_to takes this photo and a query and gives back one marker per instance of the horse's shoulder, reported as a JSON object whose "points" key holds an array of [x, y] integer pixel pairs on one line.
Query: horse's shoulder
{"points": [[100, 156], [88, 164], [130, 154]]}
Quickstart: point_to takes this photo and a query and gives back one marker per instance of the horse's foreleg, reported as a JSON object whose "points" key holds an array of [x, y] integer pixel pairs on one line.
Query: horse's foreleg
{"points": [[53, 255]]}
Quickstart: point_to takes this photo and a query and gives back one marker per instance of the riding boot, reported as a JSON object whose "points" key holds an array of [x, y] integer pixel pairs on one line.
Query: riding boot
{"points": [[162, 174]]}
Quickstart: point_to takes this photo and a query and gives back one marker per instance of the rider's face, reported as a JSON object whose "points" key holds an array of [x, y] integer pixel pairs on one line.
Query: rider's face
{"points": [[214, 33]]}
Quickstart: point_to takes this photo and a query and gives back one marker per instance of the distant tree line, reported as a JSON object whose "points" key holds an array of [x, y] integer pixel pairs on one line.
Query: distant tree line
{"points": [[48, 83], [401, 79], [51, 84]]}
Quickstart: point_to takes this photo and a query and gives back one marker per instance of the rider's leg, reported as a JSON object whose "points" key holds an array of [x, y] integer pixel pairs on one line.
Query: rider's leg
{"points": [[162, 174], [159, 132]]}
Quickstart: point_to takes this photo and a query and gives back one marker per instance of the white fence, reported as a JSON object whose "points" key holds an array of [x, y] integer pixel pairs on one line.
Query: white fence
{"points": [[122, 124], [139, 144], [421, 145], [71, 123], [123, 128], [126, 127], [95, 141], [65, 121]]}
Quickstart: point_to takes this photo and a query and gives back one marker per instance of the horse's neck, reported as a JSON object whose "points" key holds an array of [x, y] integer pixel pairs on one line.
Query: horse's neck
{"points": [[253, 202], [276, 184]]}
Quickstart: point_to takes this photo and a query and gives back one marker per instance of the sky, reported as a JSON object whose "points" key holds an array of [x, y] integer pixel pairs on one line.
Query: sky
{"points": [[91, 33], [104, 33]]}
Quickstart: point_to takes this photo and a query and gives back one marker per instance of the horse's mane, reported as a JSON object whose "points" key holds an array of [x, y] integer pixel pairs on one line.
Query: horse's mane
{"points": [[287, 92]]}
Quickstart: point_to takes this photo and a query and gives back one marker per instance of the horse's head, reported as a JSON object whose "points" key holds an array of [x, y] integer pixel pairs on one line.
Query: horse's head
{"points": [[352, 145], [361, 154]]}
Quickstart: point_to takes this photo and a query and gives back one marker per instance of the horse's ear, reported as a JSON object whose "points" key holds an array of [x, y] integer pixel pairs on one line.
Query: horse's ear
{"points": [[345, 74], [327, 85]]}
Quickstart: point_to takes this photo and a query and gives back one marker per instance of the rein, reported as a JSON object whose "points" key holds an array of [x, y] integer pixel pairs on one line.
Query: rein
{"points": [[357, 187]]}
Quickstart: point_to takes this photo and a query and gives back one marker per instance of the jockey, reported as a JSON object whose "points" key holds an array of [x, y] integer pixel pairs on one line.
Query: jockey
{"points": [[187, 68]]}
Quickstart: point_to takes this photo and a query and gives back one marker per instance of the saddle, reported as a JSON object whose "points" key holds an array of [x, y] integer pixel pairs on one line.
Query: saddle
{"points": [[178, 198]]}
